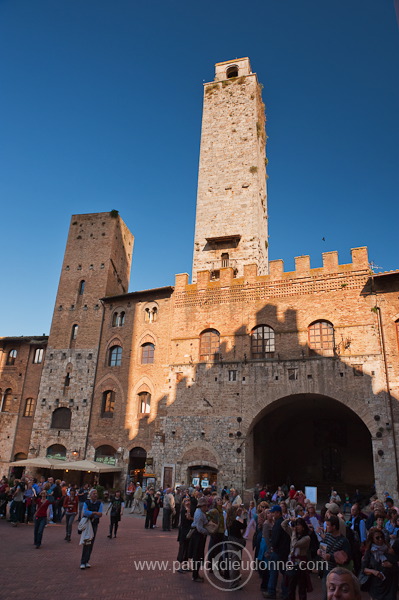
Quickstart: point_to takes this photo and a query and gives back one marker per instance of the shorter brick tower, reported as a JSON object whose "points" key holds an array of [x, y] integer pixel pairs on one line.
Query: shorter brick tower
{"points": [[96, 264]]}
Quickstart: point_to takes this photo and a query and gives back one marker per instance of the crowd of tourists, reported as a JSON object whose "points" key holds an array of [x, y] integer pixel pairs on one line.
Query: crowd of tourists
{"points": [[348, 545]]}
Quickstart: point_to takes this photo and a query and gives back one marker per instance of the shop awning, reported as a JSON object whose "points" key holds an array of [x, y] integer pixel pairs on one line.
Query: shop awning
{"points": [[39, 463], [90, 465], [63, 465]]}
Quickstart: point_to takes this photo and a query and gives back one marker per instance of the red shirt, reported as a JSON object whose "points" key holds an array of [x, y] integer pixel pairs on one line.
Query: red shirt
{"points": [[70, 505], [41, 507]]}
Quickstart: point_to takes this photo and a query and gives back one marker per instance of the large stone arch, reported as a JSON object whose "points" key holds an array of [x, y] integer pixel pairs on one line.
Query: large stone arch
{"points": [[314, 439]]}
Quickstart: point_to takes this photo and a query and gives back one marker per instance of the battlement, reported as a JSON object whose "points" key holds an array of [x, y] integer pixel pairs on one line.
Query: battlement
{"points": [[303, 273]]}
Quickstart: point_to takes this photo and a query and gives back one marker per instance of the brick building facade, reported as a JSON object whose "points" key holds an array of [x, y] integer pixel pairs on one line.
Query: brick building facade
{"points": [[249, 373]]}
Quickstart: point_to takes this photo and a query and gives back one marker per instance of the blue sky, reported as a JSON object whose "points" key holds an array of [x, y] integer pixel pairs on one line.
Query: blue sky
{"points": [[101, 109]]}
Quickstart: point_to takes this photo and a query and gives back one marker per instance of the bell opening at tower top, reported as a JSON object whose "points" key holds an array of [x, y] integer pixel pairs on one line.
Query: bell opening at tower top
{"points": [[232, 72]]}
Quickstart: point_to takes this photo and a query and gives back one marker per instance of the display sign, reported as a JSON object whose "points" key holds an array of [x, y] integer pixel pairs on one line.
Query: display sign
{"points": [[205, 483], [56, 457], [311, 494], [195, 481], [106, 460]]}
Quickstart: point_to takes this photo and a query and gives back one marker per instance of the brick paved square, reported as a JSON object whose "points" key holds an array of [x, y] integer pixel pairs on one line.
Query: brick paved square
{"points": [[53, 570]]}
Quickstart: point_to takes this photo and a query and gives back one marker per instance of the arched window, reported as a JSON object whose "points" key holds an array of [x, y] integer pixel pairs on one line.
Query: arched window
{"points": [[29, 407], [12, 355], [6, 400], [82, 287], [232, 72], [108, 404], [118, 319], [56, 451], [115, 356], [147, 354], [262, 342], [38, 356], [150, 314], [144, 402], [209, 345], [61, 418], [103, 452], [74, 332], [20, 456], [321, 336]]}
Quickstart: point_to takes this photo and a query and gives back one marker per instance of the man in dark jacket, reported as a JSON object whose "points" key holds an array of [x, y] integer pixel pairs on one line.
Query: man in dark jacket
{"points": [[280, 549]]}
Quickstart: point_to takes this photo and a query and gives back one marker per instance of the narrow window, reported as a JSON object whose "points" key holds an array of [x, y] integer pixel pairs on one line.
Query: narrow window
{"points": [[6, 400], [81, 287], [145, 402], [321, 336], [232, 375], [74, 332], [67, 380], [115, 356], [121, 320], [209, 345], [108, 404], [147, 354], [115, 319], [262, 342], [29, 407], [38, 356], [12, 355], [225, 260], [293, 374], [358, 370]]}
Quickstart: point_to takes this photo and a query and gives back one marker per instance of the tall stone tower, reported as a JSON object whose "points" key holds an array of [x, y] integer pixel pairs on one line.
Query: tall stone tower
{"points": [[231, 220], [96, 264]]}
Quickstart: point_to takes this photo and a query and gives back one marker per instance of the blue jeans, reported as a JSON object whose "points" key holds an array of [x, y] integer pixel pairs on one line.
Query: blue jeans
{"points": [[87, 548], [273, 576], [70, 517], [40, 523], [81, 505]]}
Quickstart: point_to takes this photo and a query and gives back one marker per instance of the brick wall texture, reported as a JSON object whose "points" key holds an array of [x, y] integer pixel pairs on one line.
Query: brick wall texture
{"points": [[324, 416]]}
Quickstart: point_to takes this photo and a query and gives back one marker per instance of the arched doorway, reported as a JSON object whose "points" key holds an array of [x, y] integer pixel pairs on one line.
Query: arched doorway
{"points": [[106, 455], [137, 458], [18, 471], [309, 439]]}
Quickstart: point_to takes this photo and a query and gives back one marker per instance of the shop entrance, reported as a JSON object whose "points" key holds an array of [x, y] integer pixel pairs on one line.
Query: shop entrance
{"points": [[202, 475], [137, 458]]}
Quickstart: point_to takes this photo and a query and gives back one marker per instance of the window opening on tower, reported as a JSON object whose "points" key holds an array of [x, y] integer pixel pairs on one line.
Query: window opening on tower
{"points": [[232, 72]]}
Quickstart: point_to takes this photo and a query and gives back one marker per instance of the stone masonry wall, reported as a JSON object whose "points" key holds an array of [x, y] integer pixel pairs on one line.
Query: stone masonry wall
{"points": [[231, 195]]}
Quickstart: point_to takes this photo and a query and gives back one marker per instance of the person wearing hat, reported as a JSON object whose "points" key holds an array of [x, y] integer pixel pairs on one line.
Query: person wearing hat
{"points": [[334, 509], [196, 549], [280, 549]]}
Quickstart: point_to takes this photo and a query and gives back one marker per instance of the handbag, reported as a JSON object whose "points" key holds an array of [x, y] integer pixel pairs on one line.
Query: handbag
{"points": [[212, 527], [190, 533], [365, 581]]}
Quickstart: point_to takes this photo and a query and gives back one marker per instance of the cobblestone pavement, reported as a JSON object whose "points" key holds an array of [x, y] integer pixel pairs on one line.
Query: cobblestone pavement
{"points": [[31, 574]]}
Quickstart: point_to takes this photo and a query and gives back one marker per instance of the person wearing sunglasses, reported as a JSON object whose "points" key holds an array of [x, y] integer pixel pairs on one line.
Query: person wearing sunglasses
{"points": [[380, 564]]}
